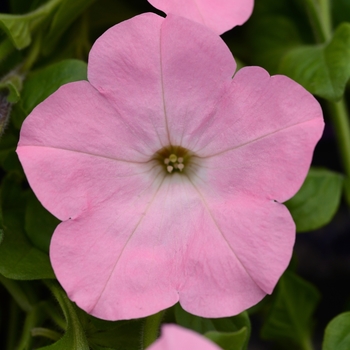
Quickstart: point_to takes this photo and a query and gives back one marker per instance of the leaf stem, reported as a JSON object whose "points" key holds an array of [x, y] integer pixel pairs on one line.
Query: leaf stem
{"points": [[151, 328]]}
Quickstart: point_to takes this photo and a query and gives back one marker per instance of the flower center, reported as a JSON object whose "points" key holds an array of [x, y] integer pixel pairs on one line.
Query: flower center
{"points": [[174, 159]]}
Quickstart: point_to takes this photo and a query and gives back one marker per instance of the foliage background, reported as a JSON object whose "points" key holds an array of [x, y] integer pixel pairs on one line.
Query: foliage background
{"points": [[45, 43]]}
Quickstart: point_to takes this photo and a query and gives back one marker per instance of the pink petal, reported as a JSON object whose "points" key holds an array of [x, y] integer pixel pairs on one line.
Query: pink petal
{"points": [[262, 137], [124, 66], [197, 69], [218, 15], [137, 241], [74, 144], [174, 337], [168, 244], [175, 81], [242, 247], [124, 260]]}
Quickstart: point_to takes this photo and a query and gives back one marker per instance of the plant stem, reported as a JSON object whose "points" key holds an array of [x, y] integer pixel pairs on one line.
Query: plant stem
{"points": [[317, 15], [340, 121], [13, 327], [320, 17], [45, 332], [74, 322], [17, 293], [151, 328], [307, 345], [325, 18], [56, 317], [30, 322], [33, 54]]}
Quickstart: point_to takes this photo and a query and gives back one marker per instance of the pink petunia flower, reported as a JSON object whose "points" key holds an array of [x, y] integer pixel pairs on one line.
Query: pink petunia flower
{"points": [[175, 337], [218, 15], [169, 174]]}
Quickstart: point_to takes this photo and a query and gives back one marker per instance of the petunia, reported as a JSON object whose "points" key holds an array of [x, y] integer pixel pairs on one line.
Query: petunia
{"points": [[169, 174], [175, 337], [218, 15]]}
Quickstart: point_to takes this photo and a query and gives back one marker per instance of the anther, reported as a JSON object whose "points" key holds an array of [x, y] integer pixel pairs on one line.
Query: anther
{"points": [[180, 166], [169, 168], [166, 161], [180, 159]]}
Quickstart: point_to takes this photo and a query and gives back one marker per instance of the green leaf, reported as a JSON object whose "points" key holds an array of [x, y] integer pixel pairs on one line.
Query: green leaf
{"points": [[337, 334], [317, 200], [290, 319], [19, 259], [17, 27], [10, 58], [229, 341], [74, 337], [11, 163], [12, 85], [196, 323], [20, 28], [8, 142], [42, 83], [277, 35], [274, 28], [66, 14], [107, 13], [116, 335], [322, 69], [340, 11], [23, 6], [39, 223], [227, 326]]}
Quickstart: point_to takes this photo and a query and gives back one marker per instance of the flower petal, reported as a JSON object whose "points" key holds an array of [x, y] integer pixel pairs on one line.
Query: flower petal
{"points": [[124, 65], [241, 249], [141, 237], [197, 68], [167, 244], [174, 337], [262, 137], [74, 145], [218, 15], [173, 84]]}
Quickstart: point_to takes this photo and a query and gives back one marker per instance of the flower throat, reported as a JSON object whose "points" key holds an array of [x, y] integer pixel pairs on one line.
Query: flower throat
{"points": [[174, 159]]}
